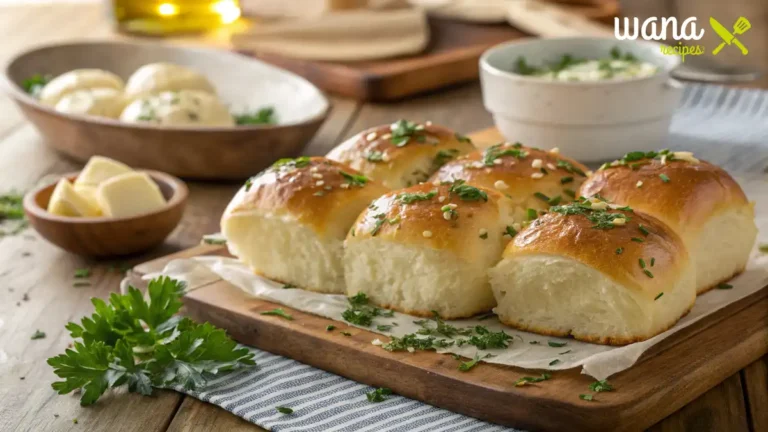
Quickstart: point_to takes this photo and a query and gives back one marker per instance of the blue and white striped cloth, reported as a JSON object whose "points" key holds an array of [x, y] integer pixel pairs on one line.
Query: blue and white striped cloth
{"points": [[709, 117]]}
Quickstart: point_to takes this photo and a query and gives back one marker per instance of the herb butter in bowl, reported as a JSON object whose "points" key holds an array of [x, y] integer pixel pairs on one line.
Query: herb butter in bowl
{"points": [[593, 98]]}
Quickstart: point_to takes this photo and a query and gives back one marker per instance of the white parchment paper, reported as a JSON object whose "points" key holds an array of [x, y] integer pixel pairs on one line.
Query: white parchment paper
{"points": [[598, 361]]}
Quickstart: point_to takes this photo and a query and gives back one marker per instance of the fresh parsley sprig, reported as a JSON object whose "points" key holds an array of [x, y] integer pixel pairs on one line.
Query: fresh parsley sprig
{"points": [[361, 313], [34, 84], [142, 343], [262, 116]]}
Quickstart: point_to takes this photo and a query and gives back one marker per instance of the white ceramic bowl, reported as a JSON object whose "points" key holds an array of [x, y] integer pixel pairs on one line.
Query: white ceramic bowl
{"points": [[589, 121]]}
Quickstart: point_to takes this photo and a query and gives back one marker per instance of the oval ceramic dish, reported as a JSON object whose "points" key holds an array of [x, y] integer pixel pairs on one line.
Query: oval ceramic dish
{"points": [[587, 120], [197, 152], [105, 236]]}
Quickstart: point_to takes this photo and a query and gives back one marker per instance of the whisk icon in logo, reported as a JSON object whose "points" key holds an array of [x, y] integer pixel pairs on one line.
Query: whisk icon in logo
{"points": [[739, 27]]}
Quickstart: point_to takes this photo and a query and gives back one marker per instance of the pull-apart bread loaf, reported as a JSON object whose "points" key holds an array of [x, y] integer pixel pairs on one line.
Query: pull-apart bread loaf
{"points": [[401, 154], [428, 248], [532, 178], [596, 272], [698, 200], [289, 222]]}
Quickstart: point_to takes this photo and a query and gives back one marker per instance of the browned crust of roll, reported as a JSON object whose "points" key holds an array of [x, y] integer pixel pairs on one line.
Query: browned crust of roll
{"points": [[355, 151], [573, 236], [426, 215], [316, 194], [515, 172], [694, 192]]}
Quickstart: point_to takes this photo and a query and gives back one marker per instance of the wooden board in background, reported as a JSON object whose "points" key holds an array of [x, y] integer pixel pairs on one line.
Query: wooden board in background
{"points": [[451, 58], [672, 374]]}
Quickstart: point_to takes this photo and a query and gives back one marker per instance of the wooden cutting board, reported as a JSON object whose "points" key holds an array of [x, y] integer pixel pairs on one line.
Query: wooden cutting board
{"points": [[451, 58], [669, 376]]}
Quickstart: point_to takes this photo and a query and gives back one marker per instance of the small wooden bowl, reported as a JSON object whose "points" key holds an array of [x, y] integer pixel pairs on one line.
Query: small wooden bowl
{"points": [[104, 236], [200, 152]]}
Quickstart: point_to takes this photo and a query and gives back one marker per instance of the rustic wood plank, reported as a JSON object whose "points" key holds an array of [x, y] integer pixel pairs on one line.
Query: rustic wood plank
{"points": [[197, 416], [755, 382], [720, 409]]}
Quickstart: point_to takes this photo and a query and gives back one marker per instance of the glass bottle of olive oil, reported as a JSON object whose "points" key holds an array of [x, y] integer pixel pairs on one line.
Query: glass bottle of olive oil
{"points": [[165, 17]]}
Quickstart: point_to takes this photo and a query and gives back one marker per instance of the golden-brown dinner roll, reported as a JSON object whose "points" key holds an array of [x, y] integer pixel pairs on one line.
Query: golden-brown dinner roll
{"points": [[428, 248], [609, 276], [289, 222], [698, 200], [403, 153], [532, 178]]}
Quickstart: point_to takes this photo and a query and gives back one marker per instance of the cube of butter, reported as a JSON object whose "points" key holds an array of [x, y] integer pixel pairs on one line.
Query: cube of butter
{"points": [[97, 170], [129, 194], [66, 201]]}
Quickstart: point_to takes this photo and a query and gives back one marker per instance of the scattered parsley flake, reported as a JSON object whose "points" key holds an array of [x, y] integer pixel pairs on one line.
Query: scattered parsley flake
{"points": [[38, 335], [532, 380], [619, 250], [641, 262], [346, 333], [648, 273], [566, 180], [360, 312], [586, 397], [601, 386], [498, 151], [82, 273], [378, 395], [664, 178], [636, 240], [330, 327], [466, 366], [554, 362], [466, 192], [284, 410], [412, 197], [658, 296], [570, 168], [555, 344], [354, 179], [724, 286], [374, 156], [462, 138], [278, 312], [643, 230]]}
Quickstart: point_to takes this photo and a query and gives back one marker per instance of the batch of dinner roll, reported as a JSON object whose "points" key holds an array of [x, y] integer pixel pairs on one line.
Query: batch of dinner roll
{"points": [[418, 219]]}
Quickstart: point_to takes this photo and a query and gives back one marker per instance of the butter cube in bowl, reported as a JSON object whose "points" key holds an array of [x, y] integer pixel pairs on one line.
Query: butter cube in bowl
{"points": [[108, 209]]}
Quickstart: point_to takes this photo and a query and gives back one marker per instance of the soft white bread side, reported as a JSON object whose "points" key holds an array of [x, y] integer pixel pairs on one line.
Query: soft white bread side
{"points": [[401, 154], [428, 248], [531, 178], [604, 276], [698, 200], [289, 222]]}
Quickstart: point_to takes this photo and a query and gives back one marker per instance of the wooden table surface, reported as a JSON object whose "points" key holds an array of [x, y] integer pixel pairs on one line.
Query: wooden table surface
{"points": [[36, 279]]}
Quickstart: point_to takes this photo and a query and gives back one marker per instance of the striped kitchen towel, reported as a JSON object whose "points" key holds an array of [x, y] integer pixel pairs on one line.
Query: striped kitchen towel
{"points": [[322, 402], [711, 121]]}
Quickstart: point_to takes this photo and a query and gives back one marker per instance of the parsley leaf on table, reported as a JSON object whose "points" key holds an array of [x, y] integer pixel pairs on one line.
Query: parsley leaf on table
{"points": [[143, 344]]}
